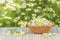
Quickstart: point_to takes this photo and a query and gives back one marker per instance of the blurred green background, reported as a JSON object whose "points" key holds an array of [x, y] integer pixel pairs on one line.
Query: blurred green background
{"points": [[13, 12]]}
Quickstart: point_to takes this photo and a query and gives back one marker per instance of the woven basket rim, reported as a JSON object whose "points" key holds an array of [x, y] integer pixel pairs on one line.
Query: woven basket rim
{"points": [[52, 24]]}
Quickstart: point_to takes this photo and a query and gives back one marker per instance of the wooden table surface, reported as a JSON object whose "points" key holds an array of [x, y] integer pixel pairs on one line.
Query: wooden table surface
{"points": [[29, 35]]}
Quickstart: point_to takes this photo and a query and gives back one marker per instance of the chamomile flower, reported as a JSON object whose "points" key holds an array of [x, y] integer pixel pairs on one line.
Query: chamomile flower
{"points": [[54, 14], [34, 15], [0, 24], [8, 22], [56, 25], [16, 19], [22, 23], [17, 5], [9, 32], [49, 0], [26, 17], [4, 8], [28, 9], [39, 7], [32, 0], [22, 13], [16, 34], [49, 35], [10, 1], [5, 12], [53, 34], [30, 4], [23, 5], [39, 0], [36, 10], [22, 33], [45, 35], [40, 21], [44, 10], [9, 6], [50, 9], [2, 1], [12, 8], [58, 2], [54, 1], [58, 21], [7, 17]]}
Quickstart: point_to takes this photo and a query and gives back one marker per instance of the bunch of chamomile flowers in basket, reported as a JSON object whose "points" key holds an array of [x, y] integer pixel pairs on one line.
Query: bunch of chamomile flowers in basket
{"points": [[39, 21]]}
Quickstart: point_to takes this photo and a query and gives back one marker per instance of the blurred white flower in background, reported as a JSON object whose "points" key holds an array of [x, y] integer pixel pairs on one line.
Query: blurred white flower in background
{"points": [[8, 22], [58, 2], [28, 9], [22, 23], [48, 9], [53, 1], [39, 0], [12, 5], [17, 5], [7, 17], [39, 7], [10, 1], [16, 19], [0, 24], [5, 13], [9, 6], [30, 4], [22, 0], [36, 10], [2, 1], [44, 10], [23, 5], [54, 14], [26, 17], [22, 13], [32, 0], [34, 15], [4, 8]]}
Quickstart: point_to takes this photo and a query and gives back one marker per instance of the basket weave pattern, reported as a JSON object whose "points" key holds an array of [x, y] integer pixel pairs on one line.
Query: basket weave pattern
{"points": [[40, 29]]}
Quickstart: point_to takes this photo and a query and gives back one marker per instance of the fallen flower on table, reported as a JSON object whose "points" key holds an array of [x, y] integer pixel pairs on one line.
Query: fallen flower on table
{"points": [[22, 34], [9, 32], [16, 34], [46, 35], [19, 34], [53, 34]]}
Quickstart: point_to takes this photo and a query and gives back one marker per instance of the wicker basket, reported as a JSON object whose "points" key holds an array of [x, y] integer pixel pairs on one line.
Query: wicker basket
{"points": [[40, 29]]}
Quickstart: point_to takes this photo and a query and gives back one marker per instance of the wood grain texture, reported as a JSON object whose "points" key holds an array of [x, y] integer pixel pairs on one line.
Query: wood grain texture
{"points": [[29, 35]]}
